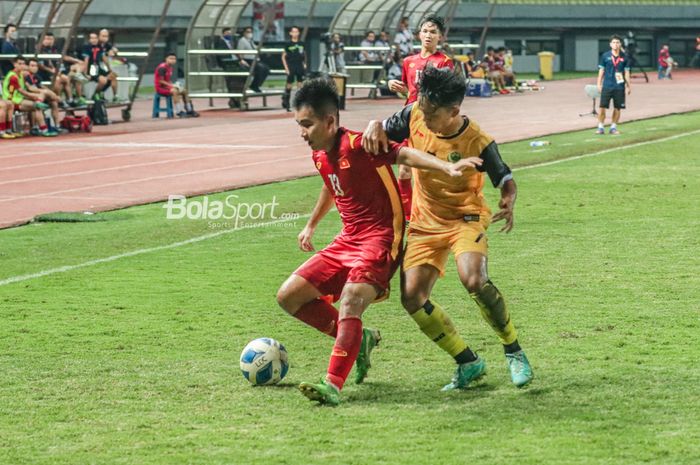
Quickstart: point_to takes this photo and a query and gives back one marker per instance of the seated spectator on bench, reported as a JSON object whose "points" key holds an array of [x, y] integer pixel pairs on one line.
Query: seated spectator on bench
{"points": [[505, 56], [96, 63], [33, 85], [234, 84], [473, 69], [50, 69], [7, 111], [14, 89], [9, 47], [165, 86], [110, 52], [261, 70], [368, 57], [495, 71]]}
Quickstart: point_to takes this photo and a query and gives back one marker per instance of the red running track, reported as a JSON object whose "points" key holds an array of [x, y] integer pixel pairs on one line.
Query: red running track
{"points": [[145, 161]]}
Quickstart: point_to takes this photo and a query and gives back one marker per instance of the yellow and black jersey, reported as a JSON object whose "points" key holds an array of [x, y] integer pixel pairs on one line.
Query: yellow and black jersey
{"points": [[438, 199]]}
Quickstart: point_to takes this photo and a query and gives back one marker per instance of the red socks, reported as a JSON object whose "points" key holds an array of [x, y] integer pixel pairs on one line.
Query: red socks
{"points": [[347, 346], [3, 126], [406, 192], [321, 315]]}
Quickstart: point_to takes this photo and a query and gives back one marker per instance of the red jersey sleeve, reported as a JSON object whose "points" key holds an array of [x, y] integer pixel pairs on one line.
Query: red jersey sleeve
{"points": [[447, 63], [404, 73], [389, 158]]}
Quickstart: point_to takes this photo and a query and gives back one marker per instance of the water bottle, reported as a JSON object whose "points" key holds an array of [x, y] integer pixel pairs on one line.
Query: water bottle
{"points": [[539, 143]]}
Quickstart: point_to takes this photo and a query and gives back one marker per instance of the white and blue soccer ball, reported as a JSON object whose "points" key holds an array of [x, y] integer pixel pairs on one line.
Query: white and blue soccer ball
{"points": [[264, 361]]}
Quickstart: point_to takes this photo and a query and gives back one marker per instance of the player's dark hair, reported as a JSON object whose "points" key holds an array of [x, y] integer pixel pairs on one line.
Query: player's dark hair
{"points": [[19, 58], [34, 60], [225, 30], [615, 36], [95, 33], [170, 54], [439, 21], [49, 34], [8, 26], [368, 33], [442, 87], [490, 49], [319, 94]]}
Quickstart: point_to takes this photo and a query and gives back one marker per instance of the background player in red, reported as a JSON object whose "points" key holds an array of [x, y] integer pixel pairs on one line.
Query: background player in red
{"points": [[432, 28], [357, 266]]}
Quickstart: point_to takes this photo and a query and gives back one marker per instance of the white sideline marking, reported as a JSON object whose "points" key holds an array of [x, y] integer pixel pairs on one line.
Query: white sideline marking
{"points": [[132, 145], [194, 240], [603, 152], [63, 269]]}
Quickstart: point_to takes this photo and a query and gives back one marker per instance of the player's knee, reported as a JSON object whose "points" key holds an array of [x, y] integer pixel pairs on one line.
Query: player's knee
{"points": [[285, 300], [352, 305], [473, 282], [413, 299]]}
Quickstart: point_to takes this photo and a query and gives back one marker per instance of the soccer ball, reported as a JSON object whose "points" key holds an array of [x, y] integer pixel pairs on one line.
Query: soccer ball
{"points": [[264, 361]]}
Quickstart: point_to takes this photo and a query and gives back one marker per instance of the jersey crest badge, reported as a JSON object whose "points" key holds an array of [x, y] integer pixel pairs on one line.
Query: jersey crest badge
{"points": [[454, 157], [318, 165], [344, 164]]}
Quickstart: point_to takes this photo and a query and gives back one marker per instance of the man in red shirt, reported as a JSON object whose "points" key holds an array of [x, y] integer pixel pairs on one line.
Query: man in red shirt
{"points": [[432, 28], [357, 266], [163, 81]]}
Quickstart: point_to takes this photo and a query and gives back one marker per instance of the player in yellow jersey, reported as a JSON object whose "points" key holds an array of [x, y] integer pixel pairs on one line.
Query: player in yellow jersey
{"points": [[452, 215]]}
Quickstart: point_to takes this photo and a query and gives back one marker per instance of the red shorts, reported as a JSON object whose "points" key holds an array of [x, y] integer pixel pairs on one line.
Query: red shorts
{"points": [[368, 260]]}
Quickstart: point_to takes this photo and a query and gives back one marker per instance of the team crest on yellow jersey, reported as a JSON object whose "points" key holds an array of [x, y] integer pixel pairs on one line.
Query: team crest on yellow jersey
{"points": [[454, 157]]}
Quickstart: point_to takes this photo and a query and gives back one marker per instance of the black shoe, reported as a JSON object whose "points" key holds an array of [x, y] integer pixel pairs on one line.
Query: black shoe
{"points": [[233, 103], [193, 114], [63, 104], [182, 114], [256, 89]]}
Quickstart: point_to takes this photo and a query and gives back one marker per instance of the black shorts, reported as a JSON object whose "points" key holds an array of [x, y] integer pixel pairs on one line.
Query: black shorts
{"points": [[295, 74], [617, 96]]}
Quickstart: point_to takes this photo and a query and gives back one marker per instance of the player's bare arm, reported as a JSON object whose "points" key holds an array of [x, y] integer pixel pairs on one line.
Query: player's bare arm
{"points": [[601, 73], [421, 160], [509, 192], [323, 206], [502, 178], [398, 86], [376, 137]]}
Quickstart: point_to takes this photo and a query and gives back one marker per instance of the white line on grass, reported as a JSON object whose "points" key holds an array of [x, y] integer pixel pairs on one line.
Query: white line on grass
{"points": [[194, 240], [603, 152]]}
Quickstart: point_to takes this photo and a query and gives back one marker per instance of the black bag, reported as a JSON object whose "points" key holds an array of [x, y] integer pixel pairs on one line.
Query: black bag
{"points": [[98, 113]]}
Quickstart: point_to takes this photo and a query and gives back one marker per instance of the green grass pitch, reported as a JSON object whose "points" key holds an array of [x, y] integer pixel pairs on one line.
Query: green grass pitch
{"points": [[135, 360]]}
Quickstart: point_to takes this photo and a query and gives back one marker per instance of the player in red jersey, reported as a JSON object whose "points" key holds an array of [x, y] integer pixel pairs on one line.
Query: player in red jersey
{"points": [[357, 266], [432, 28]]}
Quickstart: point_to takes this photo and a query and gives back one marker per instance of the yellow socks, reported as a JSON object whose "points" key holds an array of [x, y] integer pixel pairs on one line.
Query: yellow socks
{"points": [[436, 324], [493, 309]]}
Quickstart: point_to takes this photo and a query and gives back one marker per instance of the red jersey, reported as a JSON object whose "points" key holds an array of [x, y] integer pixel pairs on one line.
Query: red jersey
{"points": [[364, 189], [664, 55], [413, 66], [163, 73]]}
